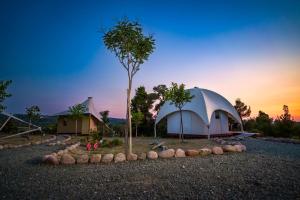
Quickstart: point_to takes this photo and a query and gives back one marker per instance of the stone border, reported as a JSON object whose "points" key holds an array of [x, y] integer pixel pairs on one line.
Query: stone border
{"points": [[12, 146], [63, 142], [63, 157]]}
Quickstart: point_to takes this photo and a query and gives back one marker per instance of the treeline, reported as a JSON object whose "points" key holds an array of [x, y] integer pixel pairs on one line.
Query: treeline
{"points": [[144, 108], [283, 126]]}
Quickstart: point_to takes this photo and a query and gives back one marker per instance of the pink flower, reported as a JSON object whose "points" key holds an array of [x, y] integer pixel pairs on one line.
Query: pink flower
{"points": [[88, 146], [96, 146]]}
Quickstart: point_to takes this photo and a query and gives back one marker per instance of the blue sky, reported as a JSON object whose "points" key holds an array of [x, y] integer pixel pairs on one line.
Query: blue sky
{"points": [[53, 51]]}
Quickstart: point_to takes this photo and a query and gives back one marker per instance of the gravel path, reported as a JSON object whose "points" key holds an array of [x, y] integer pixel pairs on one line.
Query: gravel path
{"points": [[268, 170]]}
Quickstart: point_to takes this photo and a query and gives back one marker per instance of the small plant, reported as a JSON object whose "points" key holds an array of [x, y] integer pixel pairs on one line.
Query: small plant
{"points": [[96, 136], [111, 143], [116, 142]]}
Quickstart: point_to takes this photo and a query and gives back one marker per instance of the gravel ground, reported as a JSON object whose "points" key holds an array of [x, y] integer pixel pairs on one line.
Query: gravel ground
{"points": [[268, 170]]}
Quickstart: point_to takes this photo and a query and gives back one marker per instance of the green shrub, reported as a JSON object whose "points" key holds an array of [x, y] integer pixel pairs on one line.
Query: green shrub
{"points": [[116, 142]]}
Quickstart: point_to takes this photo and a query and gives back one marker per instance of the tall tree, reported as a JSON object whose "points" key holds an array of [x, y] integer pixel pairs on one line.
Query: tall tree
{"points": [[77, 112], [286, 116], [137, 119], [33, 113], [104, 116], [160, 92], [143, 102], [127, 41], [284, 124], [264, 123], [178, 96], [242, 109], [3, 93]]}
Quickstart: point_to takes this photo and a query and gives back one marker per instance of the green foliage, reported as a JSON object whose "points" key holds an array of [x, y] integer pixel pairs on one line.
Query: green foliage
{"points": [[3, 93], [178, 96], [104, 116], [137, 118], [116, 142], [127, 41], [111, 143], [50, 129], [10, 127], [242, 109], [33, 113], [77, 111], [143, 102], [160, 92], [119, 129], [283, 126], [264, 123], [96, 136], [161, 128]]}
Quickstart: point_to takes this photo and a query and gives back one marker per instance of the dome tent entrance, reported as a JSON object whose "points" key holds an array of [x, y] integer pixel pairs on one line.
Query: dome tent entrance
{"points": [[206, 114]]}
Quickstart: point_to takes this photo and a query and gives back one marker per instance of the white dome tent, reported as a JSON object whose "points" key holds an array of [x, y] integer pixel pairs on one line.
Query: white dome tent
{"points": [[206, 114]]}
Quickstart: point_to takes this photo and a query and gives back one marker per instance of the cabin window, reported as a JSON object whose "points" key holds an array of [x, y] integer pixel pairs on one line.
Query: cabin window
{"points": [[217, 115], [64, 122]]}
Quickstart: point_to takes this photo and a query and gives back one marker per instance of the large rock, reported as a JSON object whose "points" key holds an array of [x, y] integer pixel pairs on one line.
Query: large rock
{"points": [[132, 156], [142, 156], [204, 151], [238, 148], [192, 152], [120, 157], [82, 159], [50, 159], [60, 152], [67, 159], [180, 153], [217, 150], [169, 153], [229, 148], [95, 158], [244, 148], [152, 155], [1, 147], [107, 158]]}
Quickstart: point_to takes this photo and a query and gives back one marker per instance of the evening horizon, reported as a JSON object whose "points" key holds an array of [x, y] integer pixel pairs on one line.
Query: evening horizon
{"points": [[54, 53]]}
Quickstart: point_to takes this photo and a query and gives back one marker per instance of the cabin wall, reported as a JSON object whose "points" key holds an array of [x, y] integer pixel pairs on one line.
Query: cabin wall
{"points": [[68, 125], [85, 128], [93, 124]]}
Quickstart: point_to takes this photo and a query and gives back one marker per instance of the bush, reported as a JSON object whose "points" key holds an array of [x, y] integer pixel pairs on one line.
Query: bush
{"points": [[116, 142], [96, 136], [111, 143]]}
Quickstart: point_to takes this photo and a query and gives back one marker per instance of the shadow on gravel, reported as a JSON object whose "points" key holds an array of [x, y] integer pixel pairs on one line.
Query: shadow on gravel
{"points": [[34, 161]]}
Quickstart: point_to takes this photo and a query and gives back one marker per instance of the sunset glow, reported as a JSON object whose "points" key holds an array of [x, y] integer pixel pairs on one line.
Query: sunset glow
{"points": [[240, 50]]}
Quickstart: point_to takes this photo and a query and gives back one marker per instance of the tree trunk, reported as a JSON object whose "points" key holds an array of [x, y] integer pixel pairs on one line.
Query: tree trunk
{"points": [[136, 130], [76, 128], [129, 115], [181, 125]]}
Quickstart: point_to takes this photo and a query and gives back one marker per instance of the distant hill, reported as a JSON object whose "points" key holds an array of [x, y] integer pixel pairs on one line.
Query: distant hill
{"points": [[115, 121]]}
